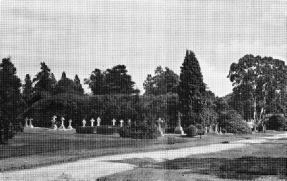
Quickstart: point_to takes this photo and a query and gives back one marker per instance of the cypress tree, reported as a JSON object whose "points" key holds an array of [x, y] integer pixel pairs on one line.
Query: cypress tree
{"points": [[191, 90], [27, 88]]}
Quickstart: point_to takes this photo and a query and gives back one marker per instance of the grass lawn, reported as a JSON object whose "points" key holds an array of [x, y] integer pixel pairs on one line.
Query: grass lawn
{"points": [[32, 149], [265, 161]]}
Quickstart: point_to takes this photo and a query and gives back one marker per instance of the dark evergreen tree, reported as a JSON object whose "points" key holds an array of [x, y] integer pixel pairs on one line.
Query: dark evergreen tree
{"points": [[96, 82], [78, 85], [44, 80], [164, 81], [27, 88], [190, 90], [10, 98]]}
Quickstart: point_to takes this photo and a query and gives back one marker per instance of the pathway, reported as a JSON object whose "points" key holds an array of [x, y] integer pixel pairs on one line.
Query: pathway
{"points": [[93, 168]]}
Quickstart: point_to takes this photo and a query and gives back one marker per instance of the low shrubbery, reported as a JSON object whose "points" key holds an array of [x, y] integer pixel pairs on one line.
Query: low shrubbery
{"points": [[85, 130], [107, 130], [232, 122], [277, 123], [200, 129], [191, 131]]}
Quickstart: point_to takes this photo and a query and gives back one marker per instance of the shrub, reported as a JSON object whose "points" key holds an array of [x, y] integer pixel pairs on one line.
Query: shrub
{"points": [[200, 129], [107, 130], [277, 123], [145, 129], [125, 132], [191, 131], [85, 130], [232, 122], [223, 130]]}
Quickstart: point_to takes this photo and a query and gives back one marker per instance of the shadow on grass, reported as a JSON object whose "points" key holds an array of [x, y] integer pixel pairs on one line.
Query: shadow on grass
{"points": [[246, 168]]}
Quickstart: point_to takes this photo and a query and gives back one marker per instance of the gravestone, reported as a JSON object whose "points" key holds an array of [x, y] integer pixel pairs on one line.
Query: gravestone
{"points": [[159, 121], [216, 129], [121, 121], [210, 129], [62, 127], [92, 122], [26, 123], [31, 125], [114, 122], [84, 123], [205, 130], [54, 126], [220, 132], [178, 129], [98, 121], [129, 122], [70, 124]]}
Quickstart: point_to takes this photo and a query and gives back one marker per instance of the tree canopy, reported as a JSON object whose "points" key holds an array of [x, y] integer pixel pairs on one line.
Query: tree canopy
{"points": [[164, 81]]}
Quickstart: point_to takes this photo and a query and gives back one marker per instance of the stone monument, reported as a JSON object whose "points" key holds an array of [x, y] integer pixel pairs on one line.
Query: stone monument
{"points": [[62, 127], [159, 121], [121, 121], [70, 124], [129, 122], [220, 132], [98, 121], [26, 123], [178, 129], [114, 122], [92, 122], [84, 123], [54, 126], [31, 125]]}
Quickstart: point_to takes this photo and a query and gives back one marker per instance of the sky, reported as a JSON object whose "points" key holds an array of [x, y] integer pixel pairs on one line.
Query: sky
{"points": [[77, 36]]}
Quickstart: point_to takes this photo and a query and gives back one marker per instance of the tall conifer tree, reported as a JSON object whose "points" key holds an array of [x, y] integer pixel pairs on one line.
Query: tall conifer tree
{"points": [[190, 90]]}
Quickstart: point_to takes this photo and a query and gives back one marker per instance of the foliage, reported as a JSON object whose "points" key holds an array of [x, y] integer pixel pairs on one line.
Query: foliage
{"points": [[209, 115], [111, 81], [66, 85], [256, 79], [145, 129], [27, 88], [276, 122], [200, 129], [234, 123], [162, 83], [107, 130], [44, 80], [10, 98], [85, 130], [126, 132], [191, 89], [191, 131]]}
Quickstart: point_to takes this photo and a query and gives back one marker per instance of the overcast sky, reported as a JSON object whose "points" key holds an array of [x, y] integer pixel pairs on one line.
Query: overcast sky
{"points": [[77, 36]]}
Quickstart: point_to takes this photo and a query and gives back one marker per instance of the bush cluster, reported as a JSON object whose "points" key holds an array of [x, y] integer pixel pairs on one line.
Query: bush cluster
{"points": [[85, 130], [277, 122], [200, 129], [191, 131], [107, 130], [232, 122]]}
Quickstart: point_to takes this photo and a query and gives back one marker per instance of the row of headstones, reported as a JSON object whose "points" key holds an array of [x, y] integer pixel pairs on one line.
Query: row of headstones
{"points": [[210, 130]]}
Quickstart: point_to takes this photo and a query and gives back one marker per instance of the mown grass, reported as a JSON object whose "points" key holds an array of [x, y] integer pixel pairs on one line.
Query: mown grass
{"points": [[267, 161], [33, 149]]}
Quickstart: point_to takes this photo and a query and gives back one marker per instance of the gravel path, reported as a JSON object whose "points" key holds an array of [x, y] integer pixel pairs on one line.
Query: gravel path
{"points": [[93, 168]]}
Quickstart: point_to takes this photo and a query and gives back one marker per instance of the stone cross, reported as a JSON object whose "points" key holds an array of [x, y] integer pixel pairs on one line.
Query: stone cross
{"points": [[70, 124], [121, 121], [178, 129], [159, 121], [114, 122], [26, 122], [92, 122], [62, 127], [31, 126], [98, 121], [54, 126], [84, 123]]}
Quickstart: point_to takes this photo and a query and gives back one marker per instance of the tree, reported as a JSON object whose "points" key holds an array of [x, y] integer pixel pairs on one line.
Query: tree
{"points": [[162, 83], [44, 80], [96, 82], [112, 81], [260, 77], [27, 88], [10, 98], [190, 90], [78, 85]]}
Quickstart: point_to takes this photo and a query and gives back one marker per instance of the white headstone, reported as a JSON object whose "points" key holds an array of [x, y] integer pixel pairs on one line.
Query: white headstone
{"points": [[129, 121], [62, 127], [159, 121], [220, 132], [54, 126], [92, 122], [114, 122], [205, 130], [26, 122], [84, 123], [70, 124], [121, 121], [178, 129], [31, 125], [216, 129], [98, 121]]}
